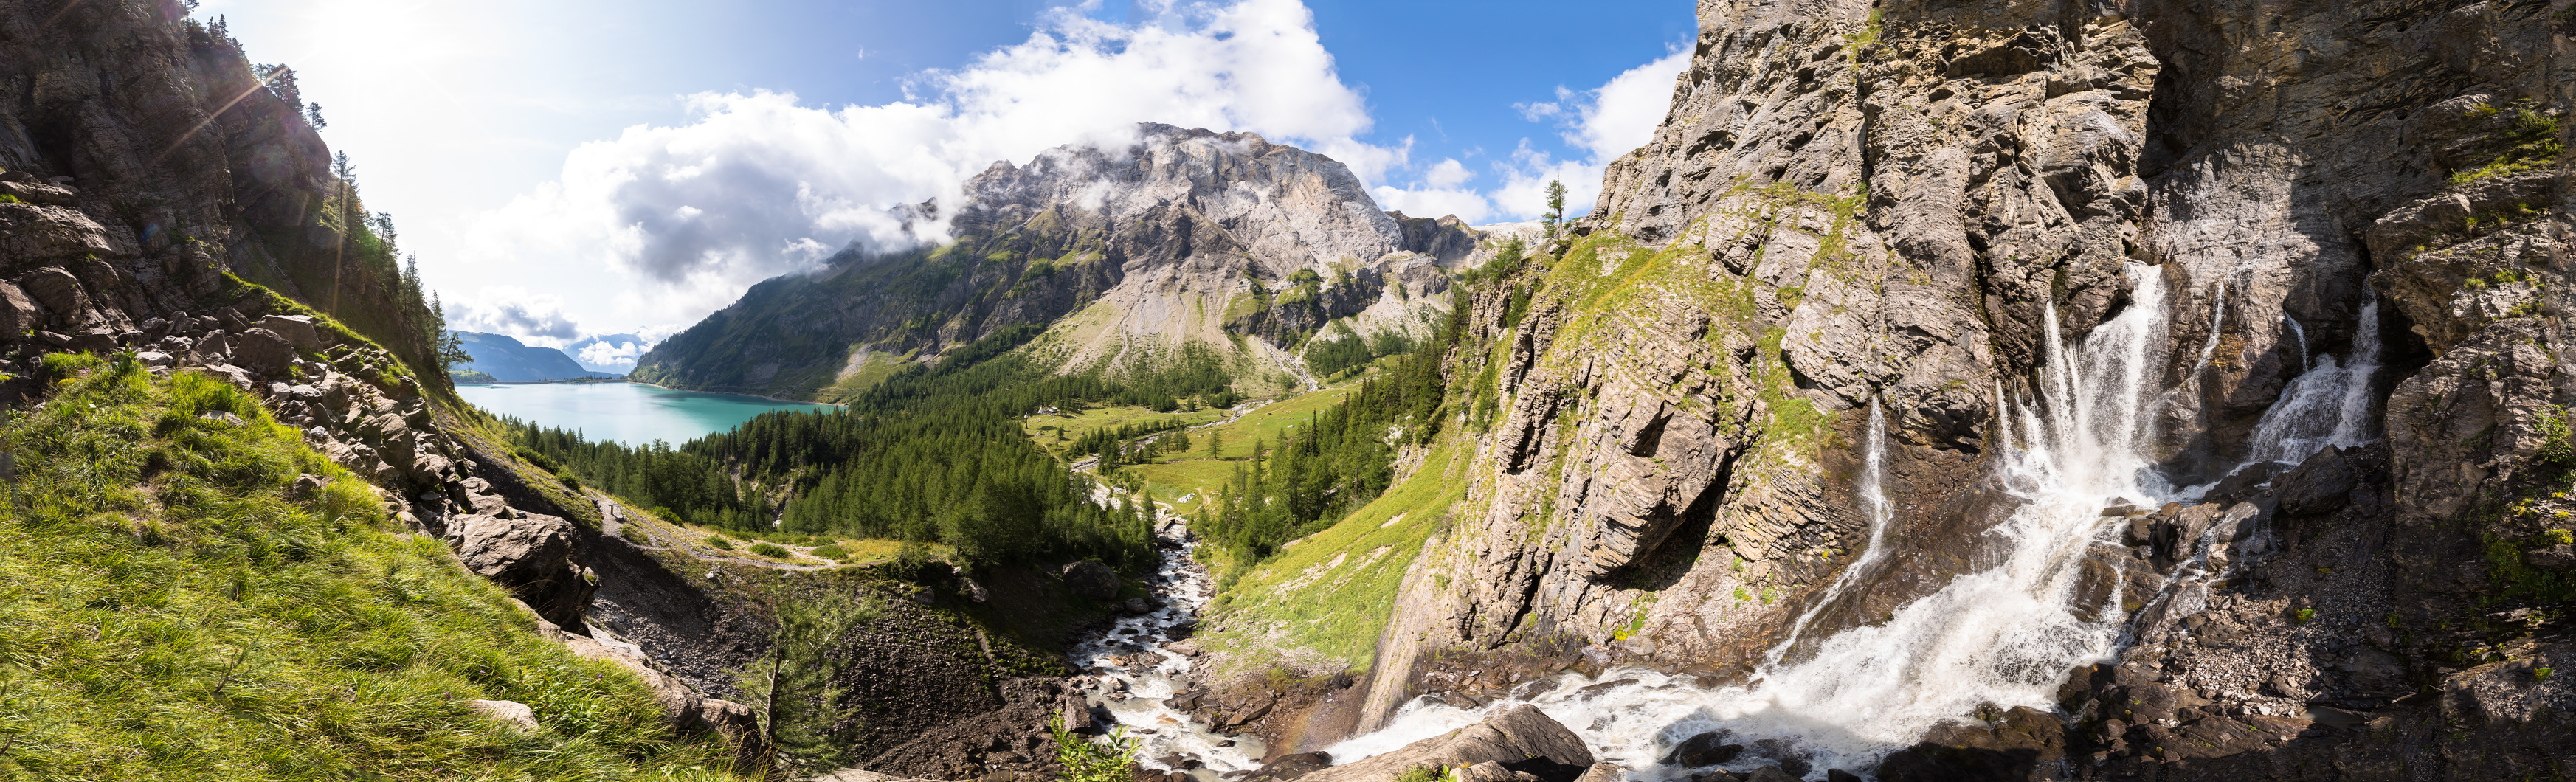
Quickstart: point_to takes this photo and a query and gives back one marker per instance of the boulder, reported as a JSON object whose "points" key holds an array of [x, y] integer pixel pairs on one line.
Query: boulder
{"points": [[297, 329], [60, 293], [2560, 558], [18, 314], [1288, 767], [1523, 740], [2321, 484], [514, 714], [2026, 745], [1091, 580], [35, 232], [262, 350], [1706, 749], [531, 555]]}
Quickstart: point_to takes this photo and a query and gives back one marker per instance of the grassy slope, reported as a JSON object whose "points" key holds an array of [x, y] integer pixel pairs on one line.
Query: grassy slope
{"points": [[173, 614], [1324, 598]]}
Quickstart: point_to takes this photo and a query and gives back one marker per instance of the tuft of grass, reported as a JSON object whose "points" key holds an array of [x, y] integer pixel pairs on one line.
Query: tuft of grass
{"points": [[173, 614], [1422, 774], [719, 542], [2304, 616], [2541, 674]]}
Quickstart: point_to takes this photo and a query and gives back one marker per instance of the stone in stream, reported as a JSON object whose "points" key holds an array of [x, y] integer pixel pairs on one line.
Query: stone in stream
{"points": [[1706, 749], [1522, 740]]}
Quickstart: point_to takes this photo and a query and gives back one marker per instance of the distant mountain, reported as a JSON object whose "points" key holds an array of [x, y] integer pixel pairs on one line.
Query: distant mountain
{"points": [[1129, 256], [608, 352], [509, 361]]}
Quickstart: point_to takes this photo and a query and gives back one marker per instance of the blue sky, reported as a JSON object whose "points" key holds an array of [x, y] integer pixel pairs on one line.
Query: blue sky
{"points": [[577, 167]]}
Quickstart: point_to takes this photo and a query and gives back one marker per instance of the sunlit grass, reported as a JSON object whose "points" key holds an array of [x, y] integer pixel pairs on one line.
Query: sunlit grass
{"points": [[172, 613]]}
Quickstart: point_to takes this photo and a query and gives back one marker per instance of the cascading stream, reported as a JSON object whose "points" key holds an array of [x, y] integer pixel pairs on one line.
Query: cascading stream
{"points": [[1881, 510], [2006, 635], [1131, 653], [2329, 405]]}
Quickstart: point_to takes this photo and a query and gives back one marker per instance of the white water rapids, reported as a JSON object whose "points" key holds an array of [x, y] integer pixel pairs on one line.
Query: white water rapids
{"points": [[2006, 635]]}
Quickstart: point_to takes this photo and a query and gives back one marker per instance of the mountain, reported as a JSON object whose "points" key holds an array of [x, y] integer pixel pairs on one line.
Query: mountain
{"points": [[1126, 257], [1958, 391], [608, 352], [507, 360]]}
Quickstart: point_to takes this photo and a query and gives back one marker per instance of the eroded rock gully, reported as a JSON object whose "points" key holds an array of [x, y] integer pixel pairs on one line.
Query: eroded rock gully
{"points": [[1916, 203]]}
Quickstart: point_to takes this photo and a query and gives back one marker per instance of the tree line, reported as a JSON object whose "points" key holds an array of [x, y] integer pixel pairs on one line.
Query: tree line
{"points": [[1339, 460]]}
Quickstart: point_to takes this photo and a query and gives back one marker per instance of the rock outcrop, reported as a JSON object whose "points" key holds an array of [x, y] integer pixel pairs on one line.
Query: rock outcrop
{"points": [[1914, 205], [1515, 746]]}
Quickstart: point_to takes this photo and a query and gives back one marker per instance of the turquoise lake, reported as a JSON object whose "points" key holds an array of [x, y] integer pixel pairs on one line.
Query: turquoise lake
{"points": [[629, 413]]}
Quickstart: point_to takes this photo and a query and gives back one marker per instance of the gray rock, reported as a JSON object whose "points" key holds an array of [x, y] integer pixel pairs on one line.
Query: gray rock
{"points": [[262, 350], [514, 714], [1523, 738], [297, 329], [530, 554], [2560, 558], [1092, 580]]}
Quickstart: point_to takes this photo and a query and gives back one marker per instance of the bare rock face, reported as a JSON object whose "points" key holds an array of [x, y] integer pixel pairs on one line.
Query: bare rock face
{"points": [[1519, 741]]}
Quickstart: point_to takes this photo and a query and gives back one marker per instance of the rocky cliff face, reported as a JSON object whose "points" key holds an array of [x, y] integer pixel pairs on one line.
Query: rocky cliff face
{"points": [[1127, 255], [150, 181], [1917, 204]]}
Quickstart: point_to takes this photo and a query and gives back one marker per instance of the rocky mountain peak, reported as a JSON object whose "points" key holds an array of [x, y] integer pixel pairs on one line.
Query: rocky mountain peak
{"points": [[1284, 207]]}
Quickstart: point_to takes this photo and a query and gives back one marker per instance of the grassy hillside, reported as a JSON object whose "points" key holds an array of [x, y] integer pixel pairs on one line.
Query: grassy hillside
{"points": [[176, 611]]}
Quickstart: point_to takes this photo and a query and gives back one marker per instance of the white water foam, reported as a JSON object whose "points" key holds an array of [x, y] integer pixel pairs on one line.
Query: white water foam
{"points": [[2006, 635], [2329, 405], [1159, 729]]}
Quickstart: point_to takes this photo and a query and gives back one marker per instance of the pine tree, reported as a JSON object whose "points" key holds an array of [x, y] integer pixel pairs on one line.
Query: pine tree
{"points": [[793, 689], [1555, 216]]}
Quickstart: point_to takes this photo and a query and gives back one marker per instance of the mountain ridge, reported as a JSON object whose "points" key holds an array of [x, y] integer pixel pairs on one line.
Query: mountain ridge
{"points": [[1127, 256]]}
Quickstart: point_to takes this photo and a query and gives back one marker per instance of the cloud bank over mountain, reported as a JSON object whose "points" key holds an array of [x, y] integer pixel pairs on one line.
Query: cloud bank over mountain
{"points": [[760, 184]]}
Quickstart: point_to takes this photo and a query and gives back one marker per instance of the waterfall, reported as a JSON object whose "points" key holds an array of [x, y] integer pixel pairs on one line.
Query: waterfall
{"points": [[1874, 501], [2006, 635], [2299, 335], [2328, 405]]}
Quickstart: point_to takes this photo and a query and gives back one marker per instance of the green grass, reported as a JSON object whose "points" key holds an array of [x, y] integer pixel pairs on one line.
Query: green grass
{"points": [[1076, 423], [173, 614], [1293, 601]]}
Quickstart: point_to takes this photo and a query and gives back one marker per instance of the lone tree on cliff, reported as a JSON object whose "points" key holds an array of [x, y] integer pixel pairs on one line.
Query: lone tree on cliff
{"points": [[1555, 207]]}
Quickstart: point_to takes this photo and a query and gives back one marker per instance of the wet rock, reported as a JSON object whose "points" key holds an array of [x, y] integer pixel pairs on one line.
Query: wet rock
{"points": [[1136, 605], [1522, 740], [1706, 749], [1772, 774], [2319, 485], [2025, 745], [1603, 772], [1091, 580], [1839, 775], [1288, 767]]}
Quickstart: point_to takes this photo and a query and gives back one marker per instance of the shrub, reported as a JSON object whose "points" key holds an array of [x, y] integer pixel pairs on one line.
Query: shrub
{"points": [[718, 541], [832, 552], [770, 550], [1112, 759], [2557, 447], [2557, 537]]}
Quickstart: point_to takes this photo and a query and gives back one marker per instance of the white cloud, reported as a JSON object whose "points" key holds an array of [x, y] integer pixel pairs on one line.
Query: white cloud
{"points": [[1605, 123], [1448, 173], [611, 354], [761, 184], [533, 318]]}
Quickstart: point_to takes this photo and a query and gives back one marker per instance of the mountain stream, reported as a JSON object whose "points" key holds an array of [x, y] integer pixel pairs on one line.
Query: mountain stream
{"points": [[2006, 635]]}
